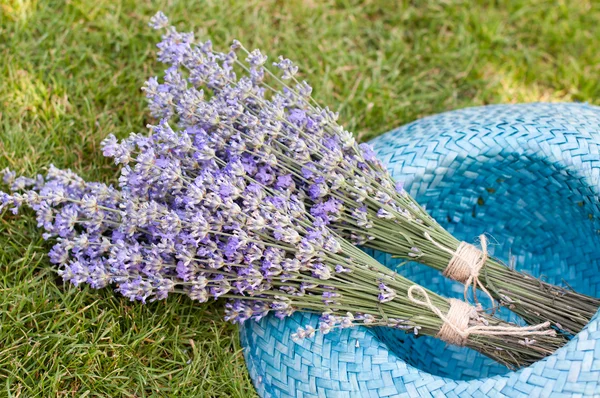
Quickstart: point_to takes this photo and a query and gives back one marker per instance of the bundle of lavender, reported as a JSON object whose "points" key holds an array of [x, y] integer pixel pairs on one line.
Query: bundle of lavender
{"points": [[193, 222], [282, 136]]}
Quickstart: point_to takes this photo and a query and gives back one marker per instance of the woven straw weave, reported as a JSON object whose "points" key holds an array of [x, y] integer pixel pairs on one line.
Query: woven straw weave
{"points": [[529, 175]]}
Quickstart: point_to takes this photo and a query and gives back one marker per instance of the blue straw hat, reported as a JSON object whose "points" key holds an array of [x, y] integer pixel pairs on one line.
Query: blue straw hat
{"points": [[529, 176]]}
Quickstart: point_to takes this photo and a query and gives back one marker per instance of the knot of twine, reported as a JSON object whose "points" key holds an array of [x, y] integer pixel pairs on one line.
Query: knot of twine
{"points": [[456, 329], [465, 264]]}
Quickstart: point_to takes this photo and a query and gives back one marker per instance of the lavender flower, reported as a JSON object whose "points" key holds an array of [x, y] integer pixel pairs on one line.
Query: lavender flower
{"points": [[386, 293], [159, 21]]}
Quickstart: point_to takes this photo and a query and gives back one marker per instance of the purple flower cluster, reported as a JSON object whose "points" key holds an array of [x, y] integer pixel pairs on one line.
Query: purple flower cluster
{"points": [[210, 234], [280, 135]]}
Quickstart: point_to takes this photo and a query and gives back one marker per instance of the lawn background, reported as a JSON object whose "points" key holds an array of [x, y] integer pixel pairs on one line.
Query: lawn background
{"points": [[70, 73]]}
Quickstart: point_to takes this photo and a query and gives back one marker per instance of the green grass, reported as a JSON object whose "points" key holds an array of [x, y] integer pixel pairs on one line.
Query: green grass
{"points": [[70, 73]]}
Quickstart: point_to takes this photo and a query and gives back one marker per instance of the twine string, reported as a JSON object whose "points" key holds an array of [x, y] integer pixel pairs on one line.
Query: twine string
{"points": [[456, 329], [465, 264]]}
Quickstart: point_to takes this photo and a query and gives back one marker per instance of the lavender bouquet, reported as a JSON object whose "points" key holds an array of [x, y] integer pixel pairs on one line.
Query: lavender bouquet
{"points": [[187, 220], [281, 136]]}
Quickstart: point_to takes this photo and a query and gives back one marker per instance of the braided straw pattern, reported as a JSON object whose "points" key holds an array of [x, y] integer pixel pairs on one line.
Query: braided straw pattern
{"points": [[529, 175]]}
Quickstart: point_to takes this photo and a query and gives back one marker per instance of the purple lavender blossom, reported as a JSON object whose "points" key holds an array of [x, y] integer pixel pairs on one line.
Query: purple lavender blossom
{"points": [[386, 293], [287, 66], [399, 187], [159, 21]]}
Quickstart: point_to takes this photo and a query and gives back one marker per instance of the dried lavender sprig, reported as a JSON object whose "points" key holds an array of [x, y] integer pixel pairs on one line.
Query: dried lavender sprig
{"points": [[345, 184]]}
